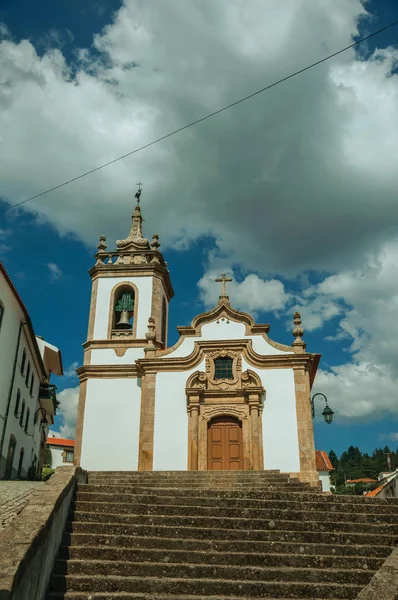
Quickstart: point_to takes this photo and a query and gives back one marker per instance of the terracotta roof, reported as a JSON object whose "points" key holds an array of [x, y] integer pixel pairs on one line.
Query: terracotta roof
{"points": [[375, 492], [322, 461], [54, 441], [362, 480]]}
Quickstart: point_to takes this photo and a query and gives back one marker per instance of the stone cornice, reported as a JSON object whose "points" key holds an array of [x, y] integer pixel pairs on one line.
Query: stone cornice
{"points": [[162, 362], [119, 343], [107, 372]]}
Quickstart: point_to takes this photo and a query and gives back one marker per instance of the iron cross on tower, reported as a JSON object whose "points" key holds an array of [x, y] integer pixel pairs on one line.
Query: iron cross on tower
{"points": [[223, 280]]}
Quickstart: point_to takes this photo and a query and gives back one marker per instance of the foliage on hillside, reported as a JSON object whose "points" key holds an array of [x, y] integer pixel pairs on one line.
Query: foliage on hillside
{"points": [[353, 464]]}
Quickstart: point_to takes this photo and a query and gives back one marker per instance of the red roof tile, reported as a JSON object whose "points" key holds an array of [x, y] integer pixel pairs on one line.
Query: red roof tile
{"points": [[361, 480], [54, 441], [322, 461]]}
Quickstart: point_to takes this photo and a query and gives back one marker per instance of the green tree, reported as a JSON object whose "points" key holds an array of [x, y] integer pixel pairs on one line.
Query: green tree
{"points": [[48, 459]]}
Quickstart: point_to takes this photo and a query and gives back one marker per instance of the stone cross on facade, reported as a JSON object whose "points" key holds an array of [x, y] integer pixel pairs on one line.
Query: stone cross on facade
{"points": [[223, 280]]}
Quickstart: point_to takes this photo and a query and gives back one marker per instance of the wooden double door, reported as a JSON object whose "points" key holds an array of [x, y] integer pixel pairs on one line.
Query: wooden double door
{"points": [[224, 445]]}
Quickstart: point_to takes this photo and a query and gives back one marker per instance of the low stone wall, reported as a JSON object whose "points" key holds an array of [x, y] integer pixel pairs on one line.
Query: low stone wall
{"points": [[29, 545], [384, 583]]}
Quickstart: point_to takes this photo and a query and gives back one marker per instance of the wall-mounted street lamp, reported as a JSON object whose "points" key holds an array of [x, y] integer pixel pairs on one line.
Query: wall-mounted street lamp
{"points": [[327, 411], [43, 422]]}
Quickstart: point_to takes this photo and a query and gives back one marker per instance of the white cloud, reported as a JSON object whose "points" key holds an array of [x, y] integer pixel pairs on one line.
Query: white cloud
{"points": [[55, 271], [392, 437], [367, 302], [68, 411], [276, 180], [253, 294], [71, 370]]}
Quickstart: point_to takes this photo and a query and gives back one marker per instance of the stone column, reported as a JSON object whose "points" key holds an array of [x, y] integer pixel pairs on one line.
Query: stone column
{"points": [[254, 408], [305, 429], [80, 422], [147, 422], [193, 433]]}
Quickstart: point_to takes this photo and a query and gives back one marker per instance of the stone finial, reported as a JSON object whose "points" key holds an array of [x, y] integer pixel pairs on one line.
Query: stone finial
{"points": [[150, 334], [298, 333], [101, 244], [155, 241], [135, 239]]}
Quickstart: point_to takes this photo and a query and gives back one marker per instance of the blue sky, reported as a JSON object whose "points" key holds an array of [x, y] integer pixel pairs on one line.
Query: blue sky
{"points": [[243, 193]]}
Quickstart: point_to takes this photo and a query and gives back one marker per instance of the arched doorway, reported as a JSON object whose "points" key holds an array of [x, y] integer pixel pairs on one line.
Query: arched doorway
{"points": [[224, 444]]}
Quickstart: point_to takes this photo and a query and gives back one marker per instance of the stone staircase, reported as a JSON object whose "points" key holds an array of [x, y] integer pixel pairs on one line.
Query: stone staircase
{"points": [[218, 535]]}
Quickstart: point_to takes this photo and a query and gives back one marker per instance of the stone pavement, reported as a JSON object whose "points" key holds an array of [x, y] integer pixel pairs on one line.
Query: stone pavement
{"points": [[13, 497]]}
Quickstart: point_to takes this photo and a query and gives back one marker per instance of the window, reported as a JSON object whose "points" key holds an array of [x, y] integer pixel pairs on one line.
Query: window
{"points": [[27, 374], [32, 381], [1, 313], [23, 362], [223, 368], [35, 418], [68, 456], [164, 322], [124, 308], [27, 420], [21, 455], [17, 402], [22, 414], [10, 457]]}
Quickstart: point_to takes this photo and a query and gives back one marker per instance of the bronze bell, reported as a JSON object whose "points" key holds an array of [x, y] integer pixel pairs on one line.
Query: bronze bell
{"points": [[124, 321]]}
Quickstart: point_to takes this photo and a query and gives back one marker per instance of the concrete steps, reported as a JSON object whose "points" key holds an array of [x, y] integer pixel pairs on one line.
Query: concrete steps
{"points": [[225, 535]]}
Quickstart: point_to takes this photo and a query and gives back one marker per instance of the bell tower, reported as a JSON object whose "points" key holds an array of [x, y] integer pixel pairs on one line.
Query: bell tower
{"points": [[130, 286]]}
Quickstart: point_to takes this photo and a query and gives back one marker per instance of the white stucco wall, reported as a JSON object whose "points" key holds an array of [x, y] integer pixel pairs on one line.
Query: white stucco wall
{"points": [[280, 437], [142, 307], [324, 478], [171, 421], [107, 356], [111, 425], [57, 458]]}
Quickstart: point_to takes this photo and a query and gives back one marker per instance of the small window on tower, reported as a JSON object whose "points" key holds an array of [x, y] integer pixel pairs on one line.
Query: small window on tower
{"points": [[124, 309], [223, 368]]}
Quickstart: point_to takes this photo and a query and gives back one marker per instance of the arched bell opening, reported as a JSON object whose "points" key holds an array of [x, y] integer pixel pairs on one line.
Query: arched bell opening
{"points": [[123, 310]]}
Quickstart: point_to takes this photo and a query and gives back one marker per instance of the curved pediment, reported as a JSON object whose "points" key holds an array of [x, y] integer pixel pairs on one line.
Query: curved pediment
{"points": [[226, 311]]}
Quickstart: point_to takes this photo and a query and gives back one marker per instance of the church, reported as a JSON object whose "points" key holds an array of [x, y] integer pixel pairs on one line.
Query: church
{"points": [[224, 397]]}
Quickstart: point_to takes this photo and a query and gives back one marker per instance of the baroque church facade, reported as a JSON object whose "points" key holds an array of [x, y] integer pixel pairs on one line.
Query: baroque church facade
{"points": [[224, 397]]}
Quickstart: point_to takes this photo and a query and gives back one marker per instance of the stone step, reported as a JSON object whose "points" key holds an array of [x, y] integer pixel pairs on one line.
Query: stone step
{"points": [[301, 496], [139, 596], [200, 479], [166, 544], [285, 533], [240, 523], [269, 512], [185, 570], [204, 587], [317, 503], [254, 559], [178, 487], [208, 474]]}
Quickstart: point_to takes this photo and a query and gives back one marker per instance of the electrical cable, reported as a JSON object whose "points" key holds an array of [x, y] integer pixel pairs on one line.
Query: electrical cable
{"points": [[200, 120]]}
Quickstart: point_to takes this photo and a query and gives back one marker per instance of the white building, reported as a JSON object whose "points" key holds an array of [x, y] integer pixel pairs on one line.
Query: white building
{"points": [[27, 399], [62, 451], [324, 468], [225, 396]]}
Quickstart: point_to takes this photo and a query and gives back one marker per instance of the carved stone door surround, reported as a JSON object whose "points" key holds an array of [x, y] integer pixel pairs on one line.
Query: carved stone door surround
{"points": [[240, 396]]}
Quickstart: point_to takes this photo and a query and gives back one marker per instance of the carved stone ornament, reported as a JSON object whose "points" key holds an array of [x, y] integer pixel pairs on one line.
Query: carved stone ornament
{"points": [[224, 384], [250, 379], [197, 380], [135, 239], [235, 410]]}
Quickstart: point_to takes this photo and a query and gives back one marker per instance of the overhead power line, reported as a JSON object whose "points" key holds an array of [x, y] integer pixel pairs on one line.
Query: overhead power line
{"points": [[208, 116]]}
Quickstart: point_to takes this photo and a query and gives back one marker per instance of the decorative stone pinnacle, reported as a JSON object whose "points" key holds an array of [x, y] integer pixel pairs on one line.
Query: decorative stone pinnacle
{"points": [[101, 244], [135, 239], [155, 243], [298, 331], [150, 335]]}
